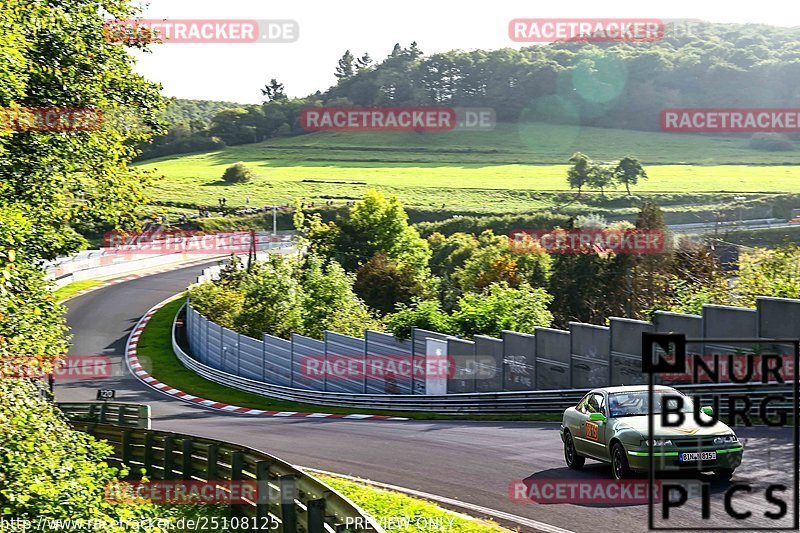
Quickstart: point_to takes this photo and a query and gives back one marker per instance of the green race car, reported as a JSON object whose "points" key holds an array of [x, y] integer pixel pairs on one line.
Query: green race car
{"points": [[610, 425]]}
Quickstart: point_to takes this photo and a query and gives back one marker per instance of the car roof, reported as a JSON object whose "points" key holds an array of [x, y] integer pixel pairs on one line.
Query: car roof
{"points": [[632, 388]]}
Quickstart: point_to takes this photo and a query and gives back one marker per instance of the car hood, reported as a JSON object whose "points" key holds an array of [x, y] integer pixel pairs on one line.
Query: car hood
{"points": [[689, 428]]}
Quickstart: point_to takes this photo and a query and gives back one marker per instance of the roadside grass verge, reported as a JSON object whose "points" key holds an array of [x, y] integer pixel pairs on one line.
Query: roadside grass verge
{"points": [[157, 358], [396, 511], [68, 291]]}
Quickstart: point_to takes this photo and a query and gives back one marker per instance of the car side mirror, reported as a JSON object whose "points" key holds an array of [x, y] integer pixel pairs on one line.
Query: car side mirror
{"points": [[708, 410], [597, 417]]}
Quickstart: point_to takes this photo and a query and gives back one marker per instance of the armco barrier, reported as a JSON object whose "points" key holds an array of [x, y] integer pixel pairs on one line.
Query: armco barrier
{"points": [[586, 355], [290, 500], [106, 262], [120, 414], [542, 401]]}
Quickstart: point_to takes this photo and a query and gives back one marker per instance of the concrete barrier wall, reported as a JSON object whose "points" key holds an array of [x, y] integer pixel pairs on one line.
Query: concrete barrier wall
{"points": [[462, 357], [346, 349], [553, 359], [585, 356], [721, 321], [489, 360], [519, 361], [304, 348], [277, 360], [382, 350], [626, 351], [590, 355]]}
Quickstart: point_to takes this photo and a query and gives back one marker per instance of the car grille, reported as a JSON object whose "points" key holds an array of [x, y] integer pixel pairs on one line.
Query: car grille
{"points": [[694, 442]]}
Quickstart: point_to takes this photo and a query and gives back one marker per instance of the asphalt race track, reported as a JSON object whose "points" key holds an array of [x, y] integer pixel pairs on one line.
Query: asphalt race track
{"points": [[469, 461]]}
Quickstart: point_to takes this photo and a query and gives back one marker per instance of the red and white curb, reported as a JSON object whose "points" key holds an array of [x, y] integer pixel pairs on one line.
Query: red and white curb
{"points": [[132, 360]]}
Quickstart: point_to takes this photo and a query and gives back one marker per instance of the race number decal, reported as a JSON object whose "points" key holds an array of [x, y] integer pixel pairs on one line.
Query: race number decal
{"points": [[591, 431]]}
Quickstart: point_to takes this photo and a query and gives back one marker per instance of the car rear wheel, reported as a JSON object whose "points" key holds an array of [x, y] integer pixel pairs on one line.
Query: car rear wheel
{"points": [[574, 461], [619, 462]]}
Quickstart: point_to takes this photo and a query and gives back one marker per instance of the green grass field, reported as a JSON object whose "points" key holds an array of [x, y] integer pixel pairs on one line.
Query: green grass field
{"points": [[502, 171]]}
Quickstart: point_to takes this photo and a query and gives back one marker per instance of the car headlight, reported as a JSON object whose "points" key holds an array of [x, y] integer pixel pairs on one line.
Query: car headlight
{"points": [[659, 442], [726, 439]]}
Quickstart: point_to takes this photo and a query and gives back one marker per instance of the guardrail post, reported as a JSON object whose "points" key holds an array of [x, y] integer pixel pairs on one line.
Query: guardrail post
{"points": [[121, 415], [186, 467], [148, 452], [288, 486], [144, 416], [316, 516], [262, 501], [237, 464], [237, 467], [169, 458], [126, 448], [103, 408], [212, 456]]}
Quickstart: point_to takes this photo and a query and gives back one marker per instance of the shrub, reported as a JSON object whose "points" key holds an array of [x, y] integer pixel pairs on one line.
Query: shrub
{"points": [[502, 307], [425, 314], [238, 173], [49, 470]]}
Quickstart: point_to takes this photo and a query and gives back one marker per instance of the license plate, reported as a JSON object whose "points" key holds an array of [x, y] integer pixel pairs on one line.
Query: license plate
{"points": [[697, 456]]}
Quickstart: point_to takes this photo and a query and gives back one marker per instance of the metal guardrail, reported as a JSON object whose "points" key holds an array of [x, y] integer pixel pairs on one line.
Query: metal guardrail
{"points": [[120, 414], [541, 401], [290, 500]]}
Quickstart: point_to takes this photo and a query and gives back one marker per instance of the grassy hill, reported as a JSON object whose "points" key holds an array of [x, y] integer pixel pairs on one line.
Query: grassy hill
{"points": [[513, 168]]}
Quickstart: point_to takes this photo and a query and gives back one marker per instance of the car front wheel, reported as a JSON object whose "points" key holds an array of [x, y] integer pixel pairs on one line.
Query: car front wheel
{"points": [[619, 462], [723, 474], [574, 461]]}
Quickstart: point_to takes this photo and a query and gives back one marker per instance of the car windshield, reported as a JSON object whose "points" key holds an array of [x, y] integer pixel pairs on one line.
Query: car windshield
{"points": [[635, 403]]}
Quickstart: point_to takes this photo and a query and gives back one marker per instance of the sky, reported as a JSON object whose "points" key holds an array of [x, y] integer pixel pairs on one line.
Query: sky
{"points": [[236, 72]]}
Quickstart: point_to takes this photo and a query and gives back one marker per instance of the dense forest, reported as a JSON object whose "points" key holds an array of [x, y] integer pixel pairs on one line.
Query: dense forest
{"points": [[613, 85]]}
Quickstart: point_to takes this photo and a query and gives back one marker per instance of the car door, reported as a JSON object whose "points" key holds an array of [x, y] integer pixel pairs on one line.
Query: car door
{"points": [[576, 424], [593, 434]]}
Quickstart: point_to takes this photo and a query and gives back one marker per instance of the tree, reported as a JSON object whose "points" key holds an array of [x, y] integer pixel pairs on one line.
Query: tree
{"points": [[424, 314], [384, 285], [238, 173], [764, 272], [344, 69], [273, 91], [54, 54], [363, 62], [330, 302], [217, 303], [376, 223], [578, 174], [502, 308], [273, 300], [629, 171], [600, 176]]}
